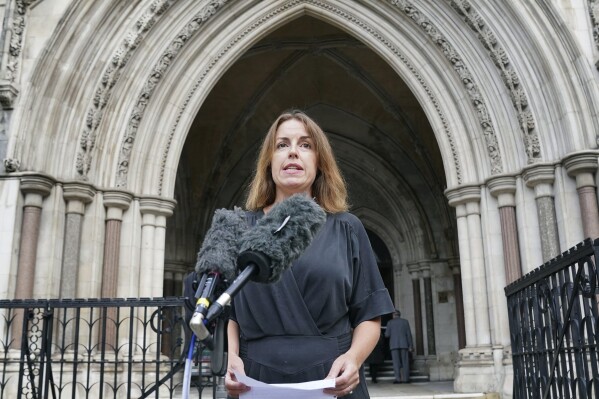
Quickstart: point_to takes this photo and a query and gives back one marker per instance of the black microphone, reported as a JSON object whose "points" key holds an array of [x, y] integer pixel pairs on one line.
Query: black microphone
{"points": [[216, 262], [277, 240]]}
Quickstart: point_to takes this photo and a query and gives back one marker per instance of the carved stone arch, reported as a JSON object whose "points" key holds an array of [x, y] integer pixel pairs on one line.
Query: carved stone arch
{"points": [[412, 225], [438, 99], [184, 99], [71, 84], [391, 236], [374, 23]]}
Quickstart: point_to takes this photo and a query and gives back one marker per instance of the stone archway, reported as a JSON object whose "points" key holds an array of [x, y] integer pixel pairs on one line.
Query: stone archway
{"points": [[105, 116]]}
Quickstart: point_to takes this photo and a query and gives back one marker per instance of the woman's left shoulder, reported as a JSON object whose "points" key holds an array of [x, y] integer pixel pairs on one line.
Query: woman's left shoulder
{"points": [[348, 218]]}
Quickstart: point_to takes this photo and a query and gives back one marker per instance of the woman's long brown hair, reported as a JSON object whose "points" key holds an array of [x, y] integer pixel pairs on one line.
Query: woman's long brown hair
{"points": [[328, 188]]}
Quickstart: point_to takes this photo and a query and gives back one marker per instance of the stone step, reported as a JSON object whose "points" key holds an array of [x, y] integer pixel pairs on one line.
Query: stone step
{"points": [[386, 373]]}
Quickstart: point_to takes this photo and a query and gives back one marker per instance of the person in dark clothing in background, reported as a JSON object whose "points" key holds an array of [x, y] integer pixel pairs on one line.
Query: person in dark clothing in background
{"points": [[400, 343]]}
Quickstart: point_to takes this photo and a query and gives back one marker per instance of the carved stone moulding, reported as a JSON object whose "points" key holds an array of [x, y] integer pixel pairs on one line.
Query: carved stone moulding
{"points": [[8, 94]]}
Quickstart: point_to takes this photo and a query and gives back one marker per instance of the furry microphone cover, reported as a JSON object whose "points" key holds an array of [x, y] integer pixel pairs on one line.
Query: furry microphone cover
{"points": [[221, 245], [284, 233]]}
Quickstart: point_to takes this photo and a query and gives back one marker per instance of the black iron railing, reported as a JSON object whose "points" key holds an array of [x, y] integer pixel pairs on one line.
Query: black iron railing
{"points": [[554, 327], [96, 348]]}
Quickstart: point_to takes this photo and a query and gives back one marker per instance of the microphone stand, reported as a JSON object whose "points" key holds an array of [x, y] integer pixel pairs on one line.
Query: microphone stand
{"points": [[218, 361]]}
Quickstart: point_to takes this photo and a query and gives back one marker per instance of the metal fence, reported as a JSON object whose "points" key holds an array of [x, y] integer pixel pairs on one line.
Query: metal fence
{"points": [[96, 348], [554, 327]]}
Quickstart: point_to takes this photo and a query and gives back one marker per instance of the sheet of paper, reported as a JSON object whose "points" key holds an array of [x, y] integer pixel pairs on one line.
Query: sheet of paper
{"points": [[304, 390]]}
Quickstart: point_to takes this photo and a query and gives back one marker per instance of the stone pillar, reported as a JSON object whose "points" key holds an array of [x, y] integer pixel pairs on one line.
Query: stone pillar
{"points": [[34, 188], [414, 270], [541, 178], [154, 212], [428, 309], [466, 274], [76, 195], [475, 369], [582, 166], [469, 196], [116, 202], [454, 264], [503, 188]]}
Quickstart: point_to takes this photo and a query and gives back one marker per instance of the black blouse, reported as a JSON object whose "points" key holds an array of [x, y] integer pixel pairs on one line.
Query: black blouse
{"points": [[334, 286]]}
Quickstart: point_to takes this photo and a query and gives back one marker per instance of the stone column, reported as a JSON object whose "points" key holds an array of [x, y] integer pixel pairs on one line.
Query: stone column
{"points": [[582, 166], [541, 178], [503, 188], [414, 270], [475, 368], [469, 197], [34, 188], [154, 212], [454, 264], [428, 309], [116, 202], [466, 274], [76, 195]]}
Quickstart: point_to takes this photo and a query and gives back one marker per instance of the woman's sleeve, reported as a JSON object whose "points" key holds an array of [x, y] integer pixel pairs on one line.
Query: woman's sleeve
{"points": [[370, 298]]}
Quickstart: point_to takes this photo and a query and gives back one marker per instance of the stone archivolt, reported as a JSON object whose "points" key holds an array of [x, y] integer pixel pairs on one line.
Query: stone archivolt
{"points": [[110, 76], [510, 77]]}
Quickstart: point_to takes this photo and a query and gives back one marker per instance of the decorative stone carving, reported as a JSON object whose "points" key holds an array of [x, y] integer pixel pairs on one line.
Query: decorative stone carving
{"points": [[111, 75], [519, 99], [413, 13], [156, 75], [594, 13], [12, 165], [9, 75], [8, 94]]}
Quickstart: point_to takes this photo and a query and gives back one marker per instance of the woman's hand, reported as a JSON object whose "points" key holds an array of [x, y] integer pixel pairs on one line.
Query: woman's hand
{"points": [[234, 387], [345, 371], [345, 368]]}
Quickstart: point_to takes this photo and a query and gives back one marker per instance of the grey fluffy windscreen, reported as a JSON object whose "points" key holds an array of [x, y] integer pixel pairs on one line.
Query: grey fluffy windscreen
{"points": [[220, 247], [287, 244]]}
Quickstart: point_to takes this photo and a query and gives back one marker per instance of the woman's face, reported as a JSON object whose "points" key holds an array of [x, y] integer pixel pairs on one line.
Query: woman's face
{"points": [[293, 163]]}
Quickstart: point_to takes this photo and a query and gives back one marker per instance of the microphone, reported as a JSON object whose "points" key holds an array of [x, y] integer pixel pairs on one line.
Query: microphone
{"points": [[216, 262], [277, 240]]}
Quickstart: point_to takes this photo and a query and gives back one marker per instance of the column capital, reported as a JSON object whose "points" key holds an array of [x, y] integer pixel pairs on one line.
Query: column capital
{"points": [[35, 187], [454, 265], [582, 165], [116, 201], [414, 270], [540, 173], [425, 270], [581, 161], [463, 194], [76, 195], [503, 188], [37, 184], [157, 206]]}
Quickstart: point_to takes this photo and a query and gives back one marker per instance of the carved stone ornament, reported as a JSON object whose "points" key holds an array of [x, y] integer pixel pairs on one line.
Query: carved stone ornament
{"points": [[8, 94], [12, 165], [476, 98], [158, 72], [594, 13], [110, 76], [9, 75], [510, 77]]}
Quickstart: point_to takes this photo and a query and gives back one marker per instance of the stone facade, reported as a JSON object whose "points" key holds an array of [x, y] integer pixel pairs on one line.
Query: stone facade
{"points": [[466, 130]]}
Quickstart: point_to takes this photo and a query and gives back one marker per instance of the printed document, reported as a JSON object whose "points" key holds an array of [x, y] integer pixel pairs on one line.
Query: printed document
{"points": [[304, 390]]}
